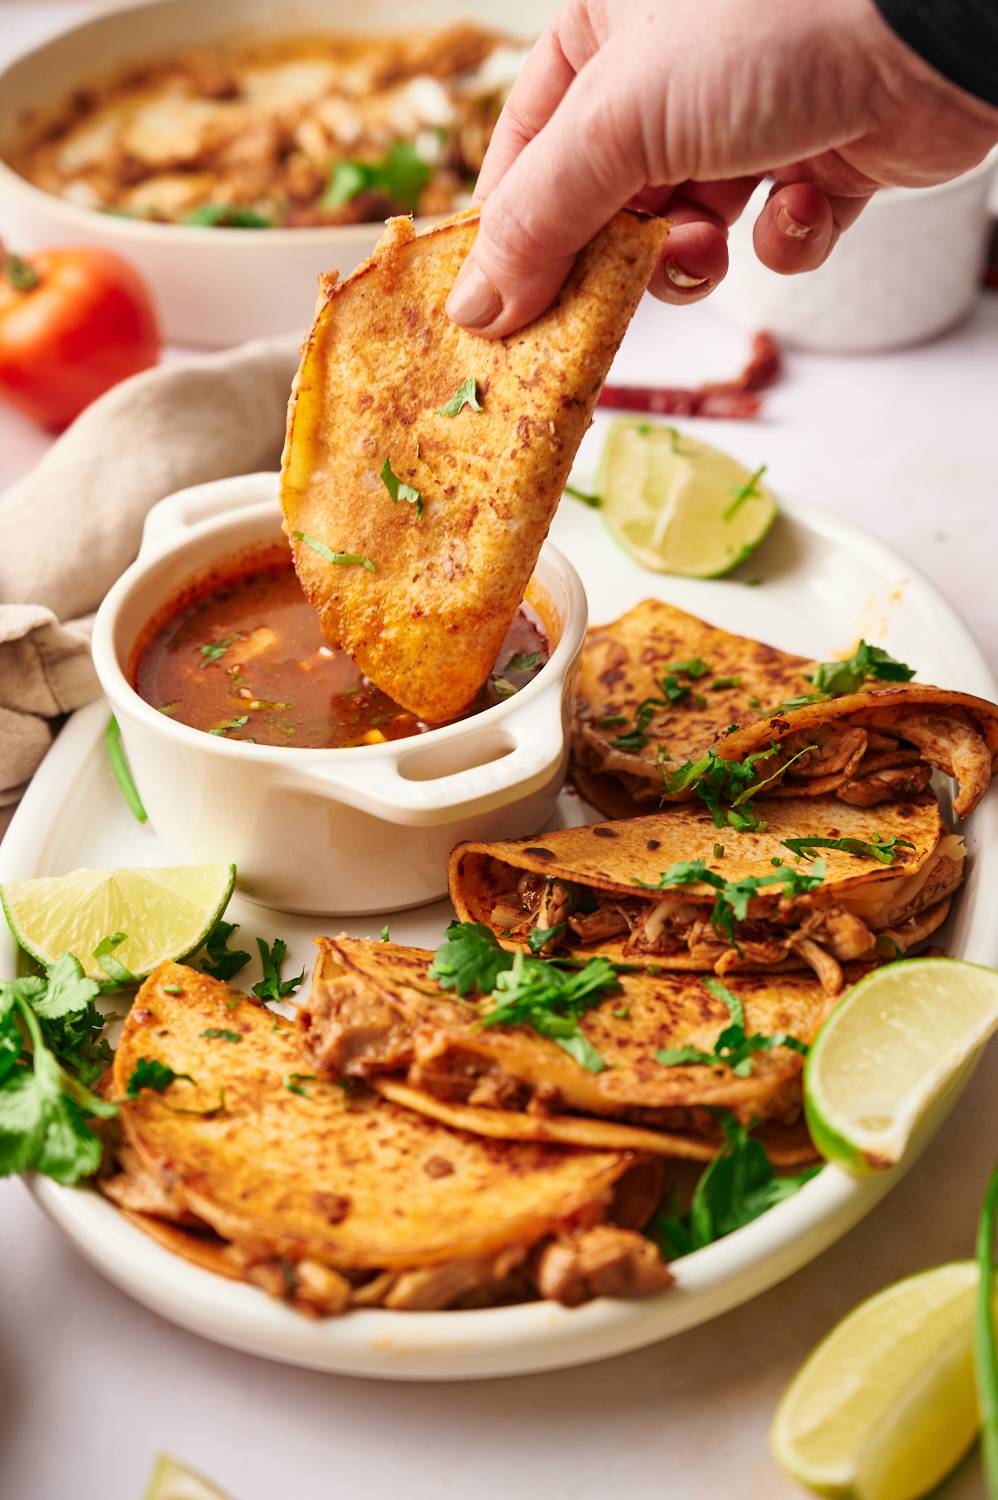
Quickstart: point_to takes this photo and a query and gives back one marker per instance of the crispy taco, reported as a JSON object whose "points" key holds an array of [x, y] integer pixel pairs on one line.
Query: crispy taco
{"points": [[333, 1198], [423, 465], [638, 1070], [668, 704], [821, 884]]}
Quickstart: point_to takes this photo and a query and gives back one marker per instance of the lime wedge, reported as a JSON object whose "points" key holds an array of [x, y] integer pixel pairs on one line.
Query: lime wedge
{"points": [[165, 913], [677, 505], [887, 1053], [175, 1481], [886, 1405]]}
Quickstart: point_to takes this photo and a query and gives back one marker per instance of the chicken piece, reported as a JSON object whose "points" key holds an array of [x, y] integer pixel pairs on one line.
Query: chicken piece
{"points": [[429, 1288], [836, 751], [826, 967], [599, 925], [208, 75], [603, 1261], [556, 903], [312, 1288], [950, 744], [842, 932], [896, 784]]}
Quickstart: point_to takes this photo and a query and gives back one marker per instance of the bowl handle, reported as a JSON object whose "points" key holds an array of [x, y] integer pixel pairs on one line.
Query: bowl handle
{"points": [[379, 788], [203, 502]]}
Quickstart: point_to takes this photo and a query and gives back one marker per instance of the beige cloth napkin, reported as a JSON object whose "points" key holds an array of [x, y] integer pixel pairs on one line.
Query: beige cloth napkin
{"points": [[73, 524]]}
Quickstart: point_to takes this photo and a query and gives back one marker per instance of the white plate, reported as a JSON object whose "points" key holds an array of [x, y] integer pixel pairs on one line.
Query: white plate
{"points": [[825, 583]]}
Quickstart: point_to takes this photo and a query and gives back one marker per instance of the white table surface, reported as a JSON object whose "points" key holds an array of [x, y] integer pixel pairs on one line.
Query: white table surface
{"points": [[91, 1385]]}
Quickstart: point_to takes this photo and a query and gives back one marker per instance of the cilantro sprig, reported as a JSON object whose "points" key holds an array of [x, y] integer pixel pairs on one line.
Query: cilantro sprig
{"points": [[884, 851], [44, 1108], [735, 1047], [727, 786], [738, 1186], [731, 904], [272, 986], [549, 997], [401, 175], [218, 959]]}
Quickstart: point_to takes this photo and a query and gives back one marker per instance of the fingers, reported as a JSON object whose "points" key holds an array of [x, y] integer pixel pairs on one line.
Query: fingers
{"points": [[799, 225], [562, 187], [533, 99], [696, 255]]}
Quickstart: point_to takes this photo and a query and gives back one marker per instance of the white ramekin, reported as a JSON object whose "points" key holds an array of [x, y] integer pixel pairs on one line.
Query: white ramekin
{"points": [[329, 831], [908, 269], [212, 287]]}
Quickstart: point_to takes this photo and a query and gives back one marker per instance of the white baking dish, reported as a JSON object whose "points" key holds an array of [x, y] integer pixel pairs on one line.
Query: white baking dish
{"points": [[907, 270], [348, 831], [212, 286]]}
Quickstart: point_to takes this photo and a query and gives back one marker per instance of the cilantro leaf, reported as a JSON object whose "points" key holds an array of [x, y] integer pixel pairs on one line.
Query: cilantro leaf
{"points": [[215, 650], [327, 553], [535, 992], [398, 489], [539, 937], [218, 960], [122, 771], [226, 216], [401, 174], [525, 661], [219, 1033], [469, 960], [731, 904], [838, 677], [735, 1188], [272, 986], [884, 851], [734, 1047], [67, 989], [593, 501], [465, 395], [150, 1074], [228, 724]]}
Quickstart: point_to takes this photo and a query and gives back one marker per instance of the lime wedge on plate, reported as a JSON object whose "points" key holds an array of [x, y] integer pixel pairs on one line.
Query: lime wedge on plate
{"points": [[676, 504], [889, 1050], [886, 1405], [175, 1481], [166, 913]]}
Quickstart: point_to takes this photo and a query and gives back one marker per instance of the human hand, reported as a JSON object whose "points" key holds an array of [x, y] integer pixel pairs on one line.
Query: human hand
{"points": [[681, 109]]}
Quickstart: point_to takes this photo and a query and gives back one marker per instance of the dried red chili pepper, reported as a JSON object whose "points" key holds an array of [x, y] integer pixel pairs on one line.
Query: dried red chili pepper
{"points": [[723, 398]]}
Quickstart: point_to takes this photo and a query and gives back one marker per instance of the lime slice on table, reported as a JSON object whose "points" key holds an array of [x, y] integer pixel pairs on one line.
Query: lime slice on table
{"points": [[889, 1050], [175, 1481], [165, 913], [677, 505], [886, 1405]]}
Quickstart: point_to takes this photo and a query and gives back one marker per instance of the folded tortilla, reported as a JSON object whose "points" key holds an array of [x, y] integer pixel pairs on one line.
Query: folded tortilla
{"points": [[375, 1013], [332, 1198], [584, 886], [870, 747], [453, 552]]}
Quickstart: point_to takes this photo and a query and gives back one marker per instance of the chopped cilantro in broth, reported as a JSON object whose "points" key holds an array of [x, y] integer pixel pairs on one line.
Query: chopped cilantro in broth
{"points": [[247, 660]]}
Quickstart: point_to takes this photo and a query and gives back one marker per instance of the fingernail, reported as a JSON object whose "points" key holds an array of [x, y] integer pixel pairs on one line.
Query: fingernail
{"points": [[788, 225], [682, 278], [473, 301]]}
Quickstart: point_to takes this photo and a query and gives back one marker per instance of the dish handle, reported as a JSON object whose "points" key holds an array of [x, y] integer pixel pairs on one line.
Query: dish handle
{"points": [[203, 502], [519, 755]]}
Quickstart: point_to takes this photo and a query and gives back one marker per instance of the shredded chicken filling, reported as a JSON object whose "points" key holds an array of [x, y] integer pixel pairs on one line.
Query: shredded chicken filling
{"points": [[822, 934]]}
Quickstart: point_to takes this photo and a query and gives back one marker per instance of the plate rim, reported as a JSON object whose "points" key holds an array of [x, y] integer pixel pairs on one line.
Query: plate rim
{"points": [[489, 1342]]}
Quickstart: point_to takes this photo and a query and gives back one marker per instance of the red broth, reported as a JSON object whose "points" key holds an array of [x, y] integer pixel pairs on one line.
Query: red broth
{"points": [[245, 657]]}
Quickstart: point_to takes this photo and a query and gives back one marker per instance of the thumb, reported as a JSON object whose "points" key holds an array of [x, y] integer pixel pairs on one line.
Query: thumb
{"points": [[563, 187]]}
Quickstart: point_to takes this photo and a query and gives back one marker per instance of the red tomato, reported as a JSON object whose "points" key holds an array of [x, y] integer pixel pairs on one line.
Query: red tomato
{"points": [[73, 323]]}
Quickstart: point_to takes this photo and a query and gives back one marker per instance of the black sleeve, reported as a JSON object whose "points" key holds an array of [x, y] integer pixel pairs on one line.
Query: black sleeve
{"points": [[959, 38]]}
